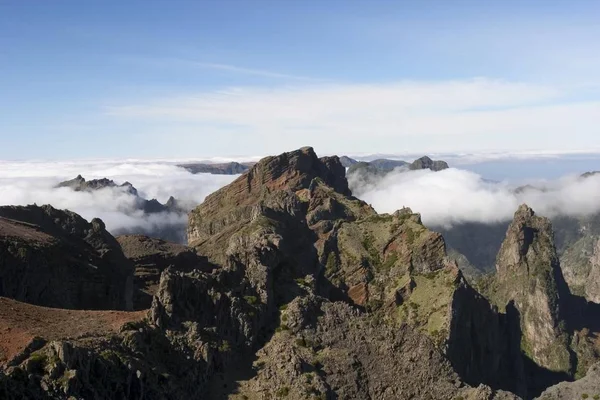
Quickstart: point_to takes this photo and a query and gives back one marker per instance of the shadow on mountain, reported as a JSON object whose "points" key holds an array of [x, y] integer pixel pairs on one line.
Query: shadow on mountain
{"points": [[479, 242]]}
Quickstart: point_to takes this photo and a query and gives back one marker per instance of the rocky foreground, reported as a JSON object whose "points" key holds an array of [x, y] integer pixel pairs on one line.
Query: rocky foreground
{"points": [[291, 288]]}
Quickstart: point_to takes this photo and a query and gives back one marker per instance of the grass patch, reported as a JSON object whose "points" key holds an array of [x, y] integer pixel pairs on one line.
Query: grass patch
{"points": [[252, 300]]}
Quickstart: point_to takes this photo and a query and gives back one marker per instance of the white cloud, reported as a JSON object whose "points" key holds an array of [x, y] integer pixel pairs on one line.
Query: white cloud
{"points": [[408, 116], [23, 183], [455, 196]]}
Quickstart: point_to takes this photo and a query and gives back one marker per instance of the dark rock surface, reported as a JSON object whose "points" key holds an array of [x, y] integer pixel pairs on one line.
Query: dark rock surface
{"points": [[427, 163], [150, 258], [55, 258]]}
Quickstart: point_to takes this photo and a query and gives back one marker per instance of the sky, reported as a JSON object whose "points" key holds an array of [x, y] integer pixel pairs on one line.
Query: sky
{"points": [[200, 79]]}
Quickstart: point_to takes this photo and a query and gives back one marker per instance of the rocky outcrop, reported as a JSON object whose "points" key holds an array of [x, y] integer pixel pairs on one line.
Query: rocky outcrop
{"points": [[153, 206], [585, 388], [347, 161], [150, 258], [592, 286], [528, 274], [55, 258], [79, 184], [231, 168], [382, 167], [427, 163], [330, 350], [229, 208]]}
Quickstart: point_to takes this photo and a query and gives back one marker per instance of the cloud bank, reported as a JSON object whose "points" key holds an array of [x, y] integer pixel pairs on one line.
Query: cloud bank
{"points": [[406, 116], [23, 183], [456, 196]]}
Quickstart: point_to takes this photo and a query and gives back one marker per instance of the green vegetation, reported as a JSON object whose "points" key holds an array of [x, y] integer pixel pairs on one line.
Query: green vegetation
{"points": [[224, 346], [585, 396], [252, 300], [390, 261], [427, 306], [410, 235], [331, 265], [282, 328], [282, 392], [38, 360], [301, 282]]}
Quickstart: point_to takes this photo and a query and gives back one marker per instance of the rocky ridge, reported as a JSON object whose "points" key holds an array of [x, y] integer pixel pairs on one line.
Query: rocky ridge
{"points": [[307, 292], [153, 206], [55, 258], [231, 168]]}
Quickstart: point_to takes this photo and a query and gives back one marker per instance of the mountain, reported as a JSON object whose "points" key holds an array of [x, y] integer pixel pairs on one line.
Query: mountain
{"points": [[170, 229], [55, 258], [230, 168], [79, 184], [374, 170], [293, 288], [153, 206], [347, 161], [577, 240], [427, 163]]}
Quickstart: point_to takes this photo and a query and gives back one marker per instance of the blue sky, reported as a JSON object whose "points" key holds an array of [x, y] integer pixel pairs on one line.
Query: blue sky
{"points": [[187, 79]]}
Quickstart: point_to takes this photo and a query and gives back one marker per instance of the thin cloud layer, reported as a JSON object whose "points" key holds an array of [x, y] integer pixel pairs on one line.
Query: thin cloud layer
{"points": [[23, 183], [456, 196], [469, 115]]}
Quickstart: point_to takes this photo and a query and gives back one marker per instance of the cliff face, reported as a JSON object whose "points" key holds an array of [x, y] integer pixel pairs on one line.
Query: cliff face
{"points": [[150, 258], [55, 258], [528, 273]]}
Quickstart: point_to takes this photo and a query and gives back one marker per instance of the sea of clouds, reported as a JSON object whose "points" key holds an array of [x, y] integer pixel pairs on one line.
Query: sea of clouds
{"points": [[454, 196], [444, 198], [29, 182]]}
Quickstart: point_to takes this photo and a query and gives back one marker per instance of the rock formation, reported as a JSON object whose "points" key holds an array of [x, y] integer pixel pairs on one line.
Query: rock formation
{"points": [[427, 163], [586, 388], [55, 258], [150, 258], [307, 292], [153, 206], [528, 273], [347, 161], [231, 168], [79, 184]]}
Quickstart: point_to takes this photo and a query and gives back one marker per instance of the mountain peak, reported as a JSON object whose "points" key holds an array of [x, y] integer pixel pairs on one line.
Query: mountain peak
{"points": [[427, 163]]}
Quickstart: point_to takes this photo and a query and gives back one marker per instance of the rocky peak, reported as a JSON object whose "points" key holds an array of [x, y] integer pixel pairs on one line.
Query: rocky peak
{"points": [[427, 163], [292, 172], [295, 170], [525, 231], [79, 184], [528, 273]]}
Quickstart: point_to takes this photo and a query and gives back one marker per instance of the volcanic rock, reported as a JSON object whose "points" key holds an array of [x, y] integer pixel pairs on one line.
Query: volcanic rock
{"points": [[55, 258], [150, 258]]}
